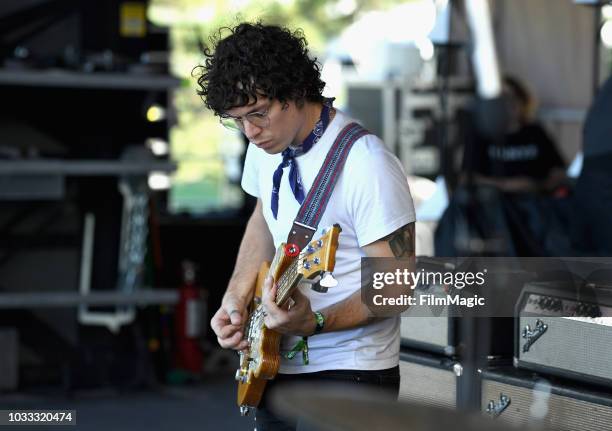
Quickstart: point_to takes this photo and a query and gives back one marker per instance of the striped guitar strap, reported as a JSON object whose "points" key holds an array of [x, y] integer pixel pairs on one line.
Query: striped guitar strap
{"points": [[313, 207]]}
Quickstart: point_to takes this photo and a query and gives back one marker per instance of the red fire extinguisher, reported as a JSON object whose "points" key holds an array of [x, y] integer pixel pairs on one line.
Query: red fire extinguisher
{"points": [[189, 322]]}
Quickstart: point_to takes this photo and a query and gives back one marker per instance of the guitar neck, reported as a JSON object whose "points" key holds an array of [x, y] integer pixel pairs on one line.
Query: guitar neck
{"points": [[287, 283]]}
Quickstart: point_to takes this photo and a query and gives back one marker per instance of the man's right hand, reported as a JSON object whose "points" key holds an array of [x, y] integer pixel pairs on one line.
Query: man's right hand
{"points": [[228, 323]]}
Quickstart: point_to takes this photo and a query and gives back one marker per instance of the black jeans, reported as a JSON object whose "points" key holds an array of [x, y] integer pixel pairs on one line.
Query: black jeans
{"points": [[387, 380]]}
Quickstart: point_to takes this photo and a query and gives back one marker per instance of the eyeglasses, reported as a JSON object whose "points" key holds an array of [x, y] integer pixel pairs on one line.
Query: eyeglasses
{"points": [[258, 119]]}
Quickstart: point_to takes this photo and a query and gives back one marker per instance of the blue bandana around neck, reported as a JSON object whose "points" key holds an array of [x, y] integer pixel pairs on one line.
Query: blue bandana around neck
{"points": [[289, 156]]}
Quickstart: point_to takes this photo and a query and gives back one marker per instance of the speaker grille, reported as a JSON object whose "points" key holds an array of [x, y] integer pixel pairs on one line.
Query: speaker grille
{"points": [[429, 330], [559, 412], [427, 385], [572, 345]]}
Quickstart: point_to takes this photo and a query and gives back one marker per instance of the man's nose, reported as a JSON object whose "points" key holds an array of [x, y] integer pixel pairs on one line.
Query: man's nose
{"points": [[251, 131]]}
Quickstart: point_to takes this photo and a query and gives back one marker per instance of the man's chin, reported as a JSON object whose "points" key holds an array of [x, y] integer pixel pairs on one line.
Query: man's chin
{"points": [[273, 149]]}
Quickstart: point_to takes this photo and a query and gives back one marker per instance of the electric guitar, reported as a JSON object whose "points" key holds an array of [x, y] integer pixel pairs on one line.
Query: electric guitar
{"points": [[260, 361]]}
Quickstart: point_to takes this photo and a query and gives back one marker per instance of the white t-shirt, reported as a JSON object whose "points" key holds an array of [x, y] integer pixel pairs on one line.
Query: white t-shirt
{"points": [[370, 200]]}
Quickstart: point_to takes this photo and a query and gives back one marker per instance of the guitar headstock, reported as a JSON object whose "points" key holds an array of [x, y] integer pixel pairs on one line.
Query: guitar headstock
{"points": [[319, 255]]}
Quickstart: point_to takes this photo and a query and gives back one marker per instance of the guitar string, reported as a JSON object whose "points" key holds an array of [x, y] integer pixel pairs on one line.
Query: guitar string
{"points": [[283, 279], [284, 282], [292, 275]]}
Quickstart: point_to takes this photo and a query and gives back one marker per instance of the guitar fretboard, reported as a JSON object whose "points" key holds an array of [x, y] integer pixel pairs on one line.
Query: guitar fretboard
{"points": [[287, 282]]}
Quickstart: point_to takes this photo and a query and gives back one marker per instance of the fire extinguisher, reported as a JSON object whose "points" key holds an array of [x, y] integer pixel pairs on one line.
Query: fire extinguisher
{"points": [[189, 321]]}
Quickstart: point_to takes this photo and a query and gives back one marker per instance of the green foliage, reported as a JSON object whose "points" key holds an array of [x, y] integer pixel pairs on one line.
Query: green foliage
{"points": [[198, 142], [321, 20]]}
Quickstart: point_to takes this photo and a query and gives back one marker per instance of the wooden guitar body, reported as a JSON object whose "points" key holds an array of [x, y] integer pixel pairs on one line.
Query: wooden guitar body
{"points": [[250, 390], [260, 361]]}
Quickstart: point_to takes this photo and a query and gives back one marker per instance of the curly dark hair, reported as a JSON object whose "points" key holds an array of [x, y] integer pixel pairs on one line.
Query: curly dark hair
{"points": [[257, 59]]}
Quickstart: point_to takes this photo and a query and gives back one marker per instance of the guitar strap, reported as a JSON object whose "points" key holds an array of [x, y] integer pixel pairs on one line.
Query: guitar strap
{"points": [[313, 207]]}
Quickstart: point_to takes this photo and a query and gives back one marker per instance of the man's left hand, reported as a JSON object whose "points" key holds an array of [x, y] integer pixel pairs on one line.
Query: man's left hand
{"points": [[298, 320]]}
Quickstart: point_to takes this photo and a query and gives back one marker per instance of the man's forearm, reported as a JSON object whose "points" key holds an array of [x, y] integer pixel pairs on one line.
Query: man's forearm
{"points": [[255, 248], [346, 314], [353, 312]]}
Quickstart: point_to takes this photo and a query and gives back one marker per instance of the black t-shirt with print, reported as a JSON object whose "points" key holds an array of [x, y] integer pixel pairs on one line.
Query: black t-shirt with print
{"points": [[526, 152]]}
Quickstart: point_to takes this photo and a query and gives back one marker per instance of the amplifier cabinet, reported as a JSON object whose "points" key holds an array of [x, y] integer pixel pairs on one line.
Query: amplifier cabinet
{"points": [[521, 398], [430, 328], [559, 335], [441, 334], [436, 328], [434, 334], [429, 379], [569, 348]]}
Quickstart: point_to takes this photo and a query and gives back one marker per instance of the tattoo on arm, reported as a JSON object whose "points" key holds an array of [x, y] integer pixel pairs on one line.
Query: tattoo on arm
{"points": [[401, 241]]}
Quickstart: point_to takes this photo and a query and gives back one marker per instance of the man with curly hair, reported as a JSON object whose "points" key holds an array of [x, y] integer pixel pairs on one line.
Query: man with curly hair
{"points": [[260, 80]]}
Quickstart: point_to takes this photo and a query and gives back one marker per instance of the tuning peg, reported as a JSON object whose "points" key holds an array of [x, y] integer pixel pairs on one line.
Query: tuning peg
{"points": [[328, 280]]}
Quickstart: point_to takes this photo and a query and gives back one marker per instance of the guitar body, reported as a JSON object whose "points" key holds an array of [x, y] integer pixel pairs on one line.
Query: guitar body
{"points": [[251, 389], [260, 361]]}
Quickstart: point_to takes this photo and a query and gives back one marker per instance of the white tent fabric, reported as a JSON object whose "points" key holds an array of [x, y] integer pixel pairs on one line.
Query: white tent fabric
{"points": [[549, 44]]}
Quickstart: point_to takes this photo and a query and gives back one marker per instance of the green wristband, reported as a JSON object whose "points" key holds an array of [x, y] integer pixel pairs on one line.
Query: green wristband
{"points": [[320, 319]]}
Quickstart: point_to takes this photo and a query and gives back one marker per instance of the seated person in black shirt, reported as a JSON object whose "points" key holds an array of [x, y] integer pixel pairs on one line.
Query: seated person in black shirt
{"points": [[525, 159]]}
